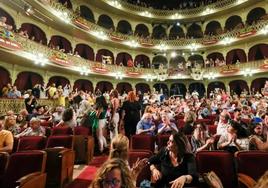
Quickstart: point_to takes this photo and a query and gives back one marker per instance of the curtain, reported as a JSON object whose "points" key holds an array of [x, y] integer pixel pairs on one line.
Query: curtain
{"points": [[238, 86], [5, 78], [85, 51], [84, 85], [258, 84], [58, 80], [143, 60], [105, 53], [121, 87], [123, 58], [144, 88], [104, 86], [213, 85], [177, 89], [199, 87]]}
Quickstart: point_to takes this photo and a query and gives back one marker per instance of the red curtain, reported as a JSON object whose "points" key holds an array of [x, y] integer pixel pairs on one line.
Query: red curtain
{"points": [[35, 31], [84, 85], [58, 80], [258, 84], [85, 51], [214, 85], [104, 86], [10, 20], [123, 58], [262, 48], [143, 60], [215, 55], [144, 88], [5, 78], [62, 42], [123, 86], [234, 55], [238, 86], [27, 80], [104, 52]]}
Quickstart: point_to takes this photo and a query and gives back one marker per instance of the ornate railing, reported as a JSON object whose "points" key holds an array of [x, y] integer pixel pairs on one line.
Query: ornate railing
{"points": [[184, 13], [18, 104], [153, 43]]}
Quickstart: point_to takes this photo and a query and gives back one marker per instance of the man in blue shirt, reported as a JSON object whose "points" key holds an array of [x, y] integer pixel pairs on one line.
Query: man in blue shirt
{"points": [[146, 125]]}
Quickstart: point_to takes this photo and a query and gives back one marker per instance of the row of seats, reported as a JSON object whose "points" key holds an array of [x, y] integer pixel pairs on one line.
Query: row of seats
{"points": [[52, 167]]}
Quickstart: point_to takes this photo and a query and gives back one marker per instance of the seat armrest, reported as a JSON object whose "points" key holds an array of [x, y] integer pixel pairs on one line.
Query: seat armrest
{"points": [[36, 179], [246, 180]]}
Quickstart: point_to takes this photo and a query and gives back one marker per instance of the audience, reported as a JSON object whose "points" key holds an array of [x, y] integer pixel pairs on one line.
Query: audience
{"points": [[35, 129]]}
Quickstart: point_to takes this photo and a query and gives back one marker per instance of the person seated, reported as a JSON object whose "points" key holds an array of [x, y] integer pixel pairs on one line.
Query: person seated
{"points": [[256, 130], [6, 139], [113, 173], [235, 139], [166, 127], [68, 118], [222, 122], [146, 125], [173, 165], [35, 129], [189, 119], [200, 140], [10, 125]]}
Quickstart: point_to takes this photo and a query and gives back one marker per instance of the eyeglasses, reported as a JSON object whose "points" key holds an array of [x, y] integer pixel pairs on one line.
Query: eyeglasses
{"points": [[113, 182]]}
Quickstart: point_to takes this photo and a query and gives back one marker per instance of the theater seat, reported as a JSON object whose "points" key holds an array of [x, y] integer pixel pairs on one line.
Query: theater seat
{"points": [[221, 162], [59, 167], [60, 141], [83, 145], [252, 163], [31, 143], [21, 164], [63, 130], [142, 142], [3, 163], [161, 140]]}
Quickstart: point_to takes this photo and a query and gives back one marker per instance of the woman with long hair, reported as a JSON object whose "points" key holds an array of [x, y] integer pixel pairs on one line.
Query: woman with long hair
{"points": [[131, 113], [115, 103]]}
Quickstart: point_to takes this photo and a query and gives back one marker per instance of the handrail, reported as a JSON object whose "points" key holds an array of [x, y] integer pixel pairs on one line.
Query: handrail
{"points": [[153, 43]]}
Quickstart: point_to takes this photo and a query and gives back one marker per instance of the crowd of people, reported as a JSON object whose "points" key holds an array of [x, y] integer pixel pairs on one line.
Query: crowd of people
{"points": [[241, 124]]}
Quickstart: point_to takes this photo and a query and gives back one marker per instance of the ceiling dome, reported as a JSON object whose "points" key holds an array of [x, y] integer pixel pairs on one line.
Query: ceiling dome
{"points": [[171, 4]]}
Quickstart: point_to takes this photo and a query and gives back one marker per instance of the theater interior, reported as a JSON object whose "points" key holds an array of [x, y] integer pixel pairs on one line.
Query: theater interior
{"points": [[208, 57]]}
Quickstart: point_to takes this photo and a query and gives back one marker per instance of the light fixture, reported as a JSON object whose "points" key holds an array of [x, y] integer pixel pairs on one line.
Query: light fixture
{"points": [[99, 34], [162, 47], [146, 13], [264, 30], [173, 54], [176, 16], [28, 10], [208, 11], [149, 78], [132, 43], [178, 24], [193, 46], [115, 4], [119, 75], [227, 40], [39, 59], [84, 70], [248, 72], [64, 16], [211, 75]]}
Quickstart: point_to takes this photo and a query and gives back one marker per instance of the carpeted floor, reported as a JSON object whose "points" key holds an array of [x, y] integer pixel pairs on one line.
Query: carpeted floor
{"points": [[86, 176]]}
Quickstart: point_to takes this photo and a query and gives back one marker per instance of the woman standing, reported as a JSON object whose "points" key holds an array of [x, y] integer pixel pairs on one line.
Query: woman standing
{"points": [[131, 112], [115, 103]]}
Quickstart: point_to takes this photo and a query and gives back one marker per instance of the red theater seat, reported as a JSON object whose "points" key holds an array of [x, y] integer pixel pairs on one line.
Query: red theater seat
{"points": [[21, 164], [252, 163], [221, 162], [142, 142], [60, 141], [3, 163], [162, 140], [64, 130], [31, 143]]}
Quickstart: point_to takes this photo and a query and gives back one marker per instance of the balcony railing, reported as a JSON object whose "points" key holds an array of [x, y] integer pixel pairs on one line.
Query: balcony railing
{"points": [[183, 13], [181, 43]]}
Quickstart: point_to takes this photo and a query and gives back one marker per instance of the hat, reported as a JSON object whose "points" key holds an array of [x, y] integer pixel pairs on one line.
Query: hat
{"points": [[256, 120]]}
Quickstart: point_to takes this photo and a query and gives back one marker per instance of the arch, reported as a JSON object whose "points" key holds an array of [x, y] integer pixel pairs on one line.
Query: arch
{"points": [[199, 87], [104, 52], [195, 31], [233, 22], [85, 51], [5, 78], [258, 84], [236, 55], [123, 87], [159, 32], [124, 27], [176, 32], [34, 31], [178, 89], [215, 55], [258, 52], [10, 20], [142, 30], [213, 85], [174, 62], [255, 15], [106, 22], [66, 3], [86, 13], [161, 87], [27, 80], [104, 86], [213, 28], [123, 57], [61, 42], [82, 84], [143, 61], [238, 86], [58, 80], [157, 60], [144, 88], [196, 59]]}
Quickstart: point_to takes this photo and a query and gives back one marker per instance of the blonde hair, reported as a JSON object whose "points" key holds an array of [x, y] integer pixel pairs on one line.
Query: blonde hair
{"points": [[119, 147], [263, 181], [115, 163]]}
